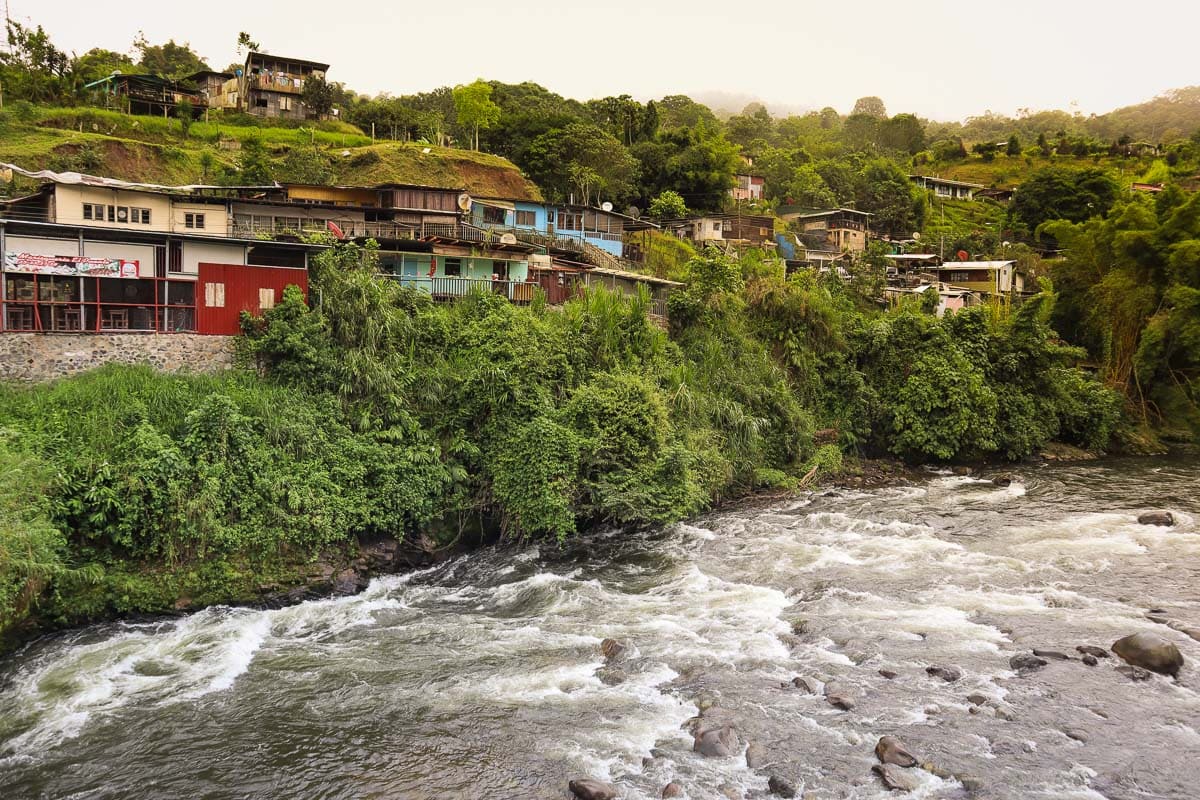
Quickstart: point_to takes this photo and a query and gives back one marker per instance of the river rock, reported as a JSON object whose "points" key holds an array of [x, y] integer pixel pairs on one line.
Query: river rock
{"points": [[1003, 480], [611, 676], [722, 742], [1150, 651], [1135, 673], [1092, 650], [672, 789], [756, 755], [1163, 518], [592, 789], [1026, 662], [977, 698], [1090, 660], [887, 673], [840, 700], [802, 684], [894, 777], [612, 649], [1004, 714], [1077, 735], [348, 582], [781, 787], [890, 750], [1052, 654], [948, 674]]}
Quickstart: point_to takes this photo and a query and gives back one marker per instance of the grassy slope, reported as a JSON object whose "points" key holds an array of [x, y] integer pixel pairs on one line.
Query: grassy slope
{"points": [[155, 150], [1008, 172]]}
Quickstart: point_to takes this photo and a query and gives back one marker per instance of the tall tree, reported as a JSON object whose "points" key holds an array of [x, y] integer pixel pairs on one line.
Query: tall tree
{"points": [[871, 106], [170, 60], [581, 159], [317, 95], [474, 108]]}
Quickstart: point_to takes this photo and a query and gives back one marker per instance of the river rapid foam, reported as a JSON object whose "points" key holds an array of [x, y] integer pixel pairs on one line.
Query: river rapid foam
{"points": [[484, 677]]}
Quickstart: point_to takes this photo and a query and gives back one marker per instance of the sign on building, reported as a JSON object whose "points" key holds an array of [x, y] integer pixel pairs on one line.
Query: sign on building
{"points": [[70, 265]]}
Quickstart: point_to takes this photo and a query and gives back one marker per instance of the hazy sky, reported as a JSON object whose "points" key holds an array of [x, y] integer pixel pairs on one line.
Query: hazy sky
{"points": [[942, 59]]}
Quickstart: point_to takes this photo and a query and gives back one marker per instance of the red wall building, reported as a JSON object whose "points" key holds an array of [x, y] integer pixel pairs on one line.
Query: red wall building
{"points": [[224, 291]]}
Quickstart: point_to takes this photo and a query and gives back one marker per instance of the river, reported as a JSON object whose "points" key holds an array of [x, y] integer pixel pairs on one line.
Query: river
{"points": [[483, 677]]}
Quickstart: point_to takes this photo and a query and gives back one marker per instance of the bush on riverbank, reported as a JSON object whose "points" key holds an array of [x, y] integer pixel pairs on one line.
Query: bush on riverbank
{"points": [[381, 413]]}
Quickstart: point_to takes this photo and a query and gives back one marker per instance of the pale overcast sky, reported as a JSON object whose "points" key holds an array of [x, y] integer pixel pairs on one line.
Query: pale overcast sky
{"points": [[942, 59]]}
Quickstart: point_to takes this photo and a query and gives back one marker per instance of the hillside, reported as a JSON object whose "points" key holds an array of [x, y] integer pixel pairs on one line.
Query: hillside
{"points": [[157, 150], [1008, 172]]}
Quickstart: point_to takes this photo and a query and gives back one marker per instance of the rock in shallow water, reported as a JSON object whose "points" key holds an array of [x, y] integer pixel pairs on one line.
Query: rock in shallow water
{"points": [[756, 755], [1135, 673], [592, 789], [1162, 518], [1150, 651], [1092, 650], [672, 789], [720, 742], [612, 649], [1026, 662], [839, 700], [1051, 654], [948, 674], [781, 787], [891, 750], [1090, 660], [895, 777], [887, 673]]}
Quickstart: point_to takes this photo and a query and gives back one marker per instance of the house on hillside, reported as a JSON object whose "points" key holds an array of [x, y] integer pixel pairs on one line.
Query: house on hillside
{"points": [[747, 187], [145, 94], [985, 277], [211, 86], [563, 225], [835, 230], [273, 86], [945, 188], [753, 229], [96, 255]]}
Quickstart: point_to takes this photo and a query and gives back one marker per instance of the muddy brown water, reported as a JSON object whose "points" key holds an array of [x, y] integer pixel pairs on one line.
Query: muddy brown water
{"points": [[483, 678]]}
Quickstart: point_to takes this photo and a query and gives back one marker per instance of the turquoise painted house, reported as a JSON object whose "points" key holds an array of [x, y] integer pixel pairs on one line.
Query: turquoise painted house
{"points": [[603, 229]]}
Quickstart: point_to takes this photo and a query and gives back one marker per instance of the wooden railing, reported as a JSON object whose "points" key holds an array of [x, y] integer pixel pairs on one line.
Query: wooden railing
{"points": [[447, 289]]}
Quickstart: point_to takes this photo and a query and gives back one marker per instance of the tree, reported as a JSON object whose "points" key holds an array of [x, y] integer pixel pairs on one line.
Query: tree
{"points": [[474, 108], [246, 45], [581, 157], [1056, 193], [986, 150], [668, 205], [807, 188], [903, 133], [33, 68], [185, 112], [1014, 146], [317, 96], [871, 106], [885, 191], [169, 60]]}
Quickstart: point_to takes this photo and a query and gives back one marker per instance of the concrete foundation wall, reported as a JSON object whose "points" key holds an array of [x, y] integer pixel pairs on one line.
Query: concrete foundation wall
{"points": [[45, 356]]}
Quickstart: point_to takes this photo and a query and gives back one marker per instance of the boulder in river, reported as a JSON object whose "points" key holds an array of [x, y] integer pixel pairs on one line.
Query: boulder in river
{"points": [[887, 673], [781, 787], [722, 742], [1090, 660], [672, 789], [612, 649], [592, 789], [1149, 651], [1026, 662], [895, 777], [840, 700], [756, 755], [890, 750], [977, 698], [1003, 480], [802, 684], [1092, 650], [948, 674], [1051, 654], [1162, 518]]}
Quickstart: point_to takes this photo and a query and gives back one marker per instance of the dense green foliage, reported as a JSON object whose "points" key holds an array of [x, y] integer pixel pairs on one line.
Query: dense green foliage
{"points": [[1131, 286]]}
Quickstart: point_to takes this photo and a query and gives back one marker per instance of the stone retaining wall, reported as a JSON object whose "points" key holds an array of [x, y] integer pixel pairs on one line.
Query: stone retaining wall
{"points": [[45, 356]]}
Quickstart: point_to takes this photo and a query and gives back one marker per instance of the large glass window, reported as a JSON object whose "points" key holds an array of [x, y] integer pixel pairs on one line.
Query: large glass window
{"points": [[79, 304]]}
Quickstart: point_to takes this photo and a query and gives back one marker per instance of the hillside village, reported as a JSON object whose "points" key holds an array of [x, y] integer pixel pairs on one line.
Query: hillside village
{"points": [[84, 187]]}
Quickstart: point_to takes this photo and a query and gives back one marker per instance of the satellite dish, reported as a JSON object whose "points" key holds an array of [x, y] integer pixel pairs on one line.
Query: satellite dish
{"points": [[508, 238], [464, 202], [426, 150], [633, 211], [606, 206], [916, 236]]}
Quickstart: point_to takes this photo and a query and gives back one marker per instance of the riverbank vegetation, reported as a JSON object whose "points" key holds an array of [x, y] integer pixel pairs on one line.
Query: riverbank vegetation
{"points": [[380, 413]]}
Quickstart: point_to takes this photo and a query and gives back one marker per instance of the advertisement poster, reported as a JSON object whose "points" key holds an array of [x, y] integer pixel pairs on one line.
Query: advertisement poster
{"points": [[70, 265]]}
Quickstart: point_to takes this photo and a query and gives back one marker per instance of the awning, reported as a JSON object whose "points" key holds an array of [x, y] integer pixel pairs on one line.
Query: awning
{"points": [[506, 205]]}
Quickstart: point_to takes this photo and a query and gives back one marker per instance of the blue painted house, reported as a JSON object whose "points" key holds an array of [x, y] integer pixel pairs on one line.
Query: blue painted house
{"points": [[604, 229]]}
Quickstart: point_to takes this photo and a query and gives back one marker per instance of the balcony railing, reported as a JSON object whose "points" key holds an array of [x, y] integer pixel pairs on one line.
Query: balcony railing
{"points": [[448, 289]]}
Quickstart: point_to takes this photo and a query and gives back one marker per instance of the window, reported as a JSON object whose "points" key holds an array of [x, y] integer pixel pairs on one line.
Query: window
{"points": [[716, 227], [140, 216], [260, 101], [122, 213], [266, 299], [285, 104], [453, 267], [214, 295], [112, 213], [193, 220], [493, 215], [570, 221], [526, 219], [87, 210]]}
